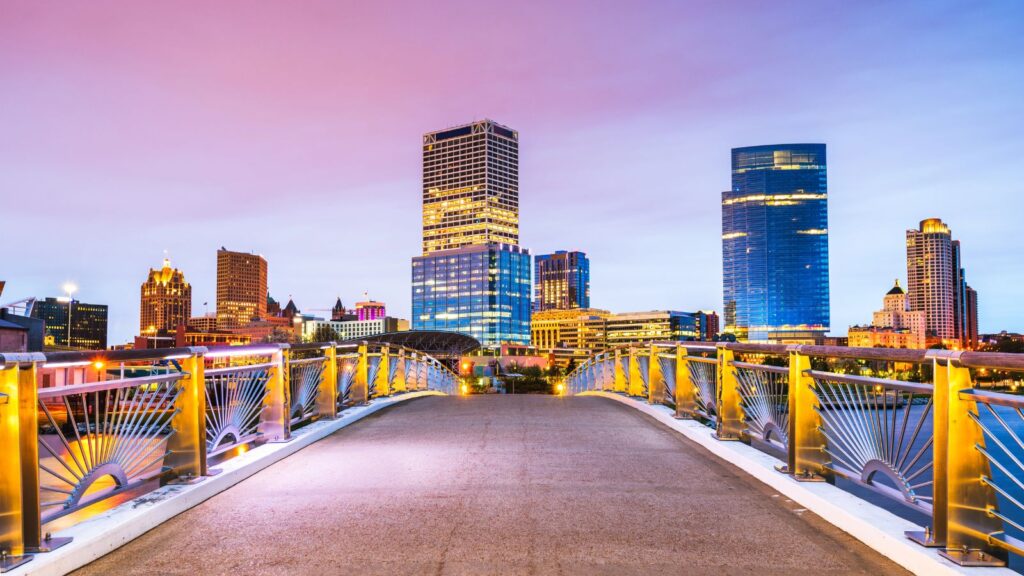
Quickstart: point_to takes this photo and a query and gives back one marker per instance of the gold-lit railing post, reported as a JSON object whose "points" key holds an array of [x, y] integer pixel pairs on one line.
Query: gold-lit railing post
{"points": [[962, 520], [187, 446], [327, 396], [655, 379], [730, 412], [805, 455], [398, 383], [619, 382], [382, 385], [686, 397], [275, 420], [361, 382], [12, 468], [634, 378]]}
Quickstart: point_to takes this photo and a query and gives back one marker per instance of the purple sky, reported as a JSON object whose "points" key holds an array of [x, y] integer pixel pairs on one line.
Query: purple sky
{"points": [[293, 129]]}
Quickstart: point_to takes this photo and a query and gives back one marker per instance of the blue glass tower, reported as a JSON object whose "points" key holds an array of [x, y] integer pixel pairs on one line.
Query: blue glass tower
{"points": [[775, 244], [481, 290], [562, 281]]}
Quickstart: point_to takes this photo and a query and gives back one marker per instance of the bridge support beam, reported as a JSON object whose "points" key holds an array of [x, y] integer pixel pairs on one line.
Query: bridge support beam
{"points": [[12, 501]]}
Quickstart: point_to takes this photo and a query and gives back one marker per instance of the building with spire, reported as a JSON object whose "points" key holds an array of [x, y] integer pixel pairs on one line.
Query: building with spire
{"points": [[166, 301]]}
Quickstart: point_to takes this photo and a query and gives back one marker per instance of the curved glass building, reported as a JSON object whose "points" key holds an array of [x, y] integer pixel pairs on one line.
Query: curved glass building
{"points": [[775, 244]]}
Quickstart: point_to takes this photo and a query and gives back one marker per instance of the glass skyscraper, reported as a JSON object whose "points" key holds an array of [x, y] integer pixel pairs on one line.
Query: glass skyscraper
{"points": [[472, 277], [481, 290], [562, 281], [775, 244]]}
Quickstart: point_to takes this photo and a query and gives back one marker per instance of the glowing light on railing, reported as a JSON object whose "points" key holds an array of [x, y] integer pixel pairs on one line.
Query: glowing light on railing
{"points": [[98, 365], [465, 389], [241, 352]]}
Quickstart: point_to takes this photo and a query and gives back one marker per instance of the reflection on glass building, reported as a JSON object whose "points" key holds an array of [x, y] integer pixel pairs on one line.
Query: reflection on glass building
{"points": [[775, 244], [481, 290], [88, 330], [472, 277], [562, 281]]}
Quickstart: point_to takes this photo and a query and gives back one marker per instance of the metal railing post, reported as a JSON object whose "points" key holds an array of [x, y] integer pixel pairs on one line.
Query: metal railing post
{"points": [[12, 468], [382, 385], [361, 381], [655, 383], [327, 395], [398, 383], [634, 378], [962, 517], [187, 446], [275, 420], [730, 412], [619, 378], [806, 460], [686, 398]]}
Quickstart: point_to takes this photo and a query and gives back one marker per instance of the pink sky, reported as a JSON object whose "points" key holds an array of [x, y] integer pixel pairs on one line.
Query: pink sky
{"points": [[292, 129]]}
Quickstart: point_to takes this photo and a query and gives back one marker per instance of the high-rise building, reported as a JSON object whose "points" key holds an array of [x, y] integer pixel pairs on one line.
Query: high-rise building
{"points": [[470, 186], [775, 244], [580, 328], [561, 281], [166, 301], [937, 285], [241, 288], [483, 291], [472, 277], [653, 326], [72, 324], [894, 326]]}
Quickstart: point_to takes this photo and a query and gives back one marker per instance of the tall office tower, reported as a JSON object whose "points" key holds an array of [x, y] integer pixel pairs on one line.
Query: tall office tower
{"points": [[937, 284], [971, 325], [166, 300], [470, 186], [472, 277], [561, 281], [72, 324], [775, 244], [241, 288]]}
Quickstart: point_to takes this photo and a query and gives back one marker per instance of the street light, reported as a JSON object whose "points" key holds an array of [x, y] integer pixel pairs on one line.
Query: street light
{"points": [[69, 289]]}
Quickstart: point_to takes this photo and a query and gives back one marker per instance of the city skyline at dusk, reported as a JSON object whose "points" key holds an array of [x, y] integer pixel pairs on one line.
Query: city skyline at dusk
{"points": [[295, 133]]}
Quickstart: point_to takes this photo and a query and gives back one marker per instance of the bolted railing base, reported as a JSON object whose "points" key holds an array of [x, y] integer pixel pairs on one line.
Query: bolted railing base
{"points": [[972, 558], [8, 562], [48, 544]]}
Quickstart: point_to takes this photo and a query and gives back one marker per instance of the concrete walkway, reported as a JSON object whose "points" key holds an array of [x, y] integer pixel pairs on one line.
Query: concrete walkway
{"points": [[498, 485]]}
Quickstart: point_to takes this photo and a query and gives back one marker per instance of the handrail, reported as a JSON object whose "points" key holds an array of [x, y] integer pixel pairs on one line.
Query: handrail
{"points": [[170, 425], [943, 447], [60, 391]]}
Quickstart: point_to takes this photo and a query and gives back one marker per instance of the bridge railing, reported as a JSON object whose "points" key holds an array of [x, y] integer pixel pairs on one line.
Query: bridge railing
{"points": [[81, 428], [919, 429]]}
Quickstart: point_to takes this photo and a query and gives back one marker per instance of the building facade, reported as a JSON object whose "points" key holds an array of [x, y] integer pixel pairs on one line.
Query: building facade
{"points": [[482, 291], [350, 329], [582, 328], [894, 326], [472, 276], [370, 310], [937, 285], [241, 288], [561, 281], [166, 300], [775, 244], [470, 186], [70, 324]]}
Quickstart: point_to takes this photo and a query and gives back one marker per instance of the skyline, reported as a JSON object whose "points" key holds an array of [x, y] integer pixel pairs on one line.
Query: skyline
{"points": [[303, 156]]}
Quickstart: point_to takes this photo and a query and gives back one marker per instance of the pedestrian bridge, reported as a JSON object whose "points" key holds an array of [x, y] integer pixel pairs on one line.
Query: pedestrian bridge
{"points": [[366, 459]]}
